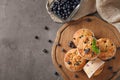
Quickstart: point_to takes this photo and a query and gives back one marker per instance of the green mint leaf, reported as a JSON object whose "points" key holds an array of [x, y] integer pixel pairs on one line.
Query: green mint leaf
{"points": [[94, 47]]}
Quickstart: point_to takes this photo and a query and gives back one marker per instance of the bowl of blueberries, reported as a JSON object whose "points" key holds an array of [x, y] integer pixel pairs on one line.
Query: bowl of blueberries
{"points": [[64, 10]]}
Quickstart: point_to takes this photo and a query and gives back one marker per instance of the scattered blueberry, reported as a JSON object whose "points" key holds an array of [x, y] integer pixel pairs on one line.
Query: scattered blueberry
{"points": [[108, 60], [36, 37], [56, 73], [71, 44], [50, 41], [88, 20], [60, 66], [45, 50], [110, 67], [46, 28], [113, 57], [58, 44], [63, 50], [114, 73], [69, 62], [76, 76], [118, 48]]}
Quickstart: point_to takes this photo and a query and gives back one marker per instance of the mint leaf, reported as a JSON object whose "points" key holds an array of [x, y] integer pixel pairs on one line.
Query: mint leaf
{"points": [[94, 47]]}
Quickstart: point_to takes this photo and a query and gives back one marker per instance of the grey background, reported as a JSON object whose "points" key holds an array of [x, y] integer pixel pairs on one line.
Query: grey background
{"points": [[21, 56]]}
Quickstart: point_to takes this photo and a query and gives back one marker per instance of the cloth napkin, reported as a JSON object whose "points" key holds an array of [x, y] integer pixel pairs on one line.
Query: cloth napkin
{"points": [[109, 10]]}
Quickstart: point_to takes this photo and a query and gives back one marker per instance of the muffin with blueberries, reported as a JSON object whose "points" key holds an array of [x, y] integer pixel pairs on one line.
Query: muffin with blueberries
{"points": [[80, 34], [73, 61], [87, 48], [107, 47]]}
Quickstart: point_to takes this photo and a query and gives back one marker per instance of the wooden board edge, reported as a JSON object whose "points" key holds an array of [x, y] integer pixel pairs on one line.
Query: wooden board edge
{"points": [[116, 75], [54, 47]]}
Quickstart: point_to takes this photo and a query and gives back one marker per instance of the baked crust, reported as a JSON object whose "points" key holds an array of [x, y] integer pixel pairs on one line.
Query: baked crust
{"points": [[107, 48], [80, 33], [85, 48], [73, 61]]}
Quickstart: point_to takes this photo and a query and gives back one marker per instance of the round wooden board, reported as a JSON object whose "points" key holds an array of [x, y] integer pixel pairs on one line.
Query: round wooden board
{"points": [[100, 29]]}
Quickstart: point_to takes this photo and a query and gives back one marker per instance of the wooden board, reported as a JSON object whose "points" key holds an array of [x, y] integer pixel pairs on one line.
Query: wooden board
{"points": [[101, 29]]}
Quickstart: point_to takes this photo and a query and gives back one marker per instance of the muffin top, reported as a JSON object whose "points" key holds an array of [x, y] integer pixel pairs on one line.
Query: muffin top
{"points": [[85, 48], [73, 61], [107, 48], [80, 33]]}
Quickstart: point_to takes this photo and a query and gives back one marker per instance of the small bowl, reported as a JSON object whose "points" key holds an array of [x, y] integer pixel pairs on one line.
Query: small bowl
{"points": [[62, 20]]}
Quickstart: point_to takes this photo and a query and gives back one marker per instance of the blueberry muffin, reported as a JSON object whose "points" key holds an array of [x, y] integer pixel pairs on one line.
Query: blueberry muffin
{"points": [[73, 61], [80, 33], [85, 49], [107, 48]]}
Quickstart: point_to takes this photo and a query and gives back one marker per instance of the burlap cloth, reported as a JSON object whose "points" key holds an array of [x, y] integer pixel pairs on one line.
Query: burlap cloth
{"points": [[109, 10]]}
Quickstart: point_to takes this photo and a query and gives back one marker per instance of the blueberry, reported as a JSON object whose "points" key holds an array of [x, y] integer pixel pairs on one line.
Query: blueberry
{"points": [[73, 6], [45, 50], [68, 6], [54, 12], [78, 1], [56, 73], [60, 4], [71, 44], [110, 67], [60, 66], [59, 0], [55, 3], [64, 0], [69, 62], [63, 50], [63, 17], [58, 12], [76, 76], [66, 16], [46, 28], [63, 14], [75, 3], [86, 50], [68, 2], [58, 8], [58, 44], [37, 37], [63, 7], [59, 15], [54, 7], [71, 3], [65, 11], [68, 9], [68, 12]]}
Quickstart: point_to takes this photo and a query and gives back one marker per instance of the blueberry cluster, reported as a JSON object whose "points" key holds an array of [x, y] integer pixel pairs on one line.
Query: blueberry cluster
{"points": [[63, 8]]}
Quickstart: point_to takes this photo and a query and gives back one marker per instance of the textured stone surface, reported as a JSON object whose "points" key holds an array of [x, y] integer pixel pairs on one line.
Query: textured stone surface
{"points": [[21, 56]]}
